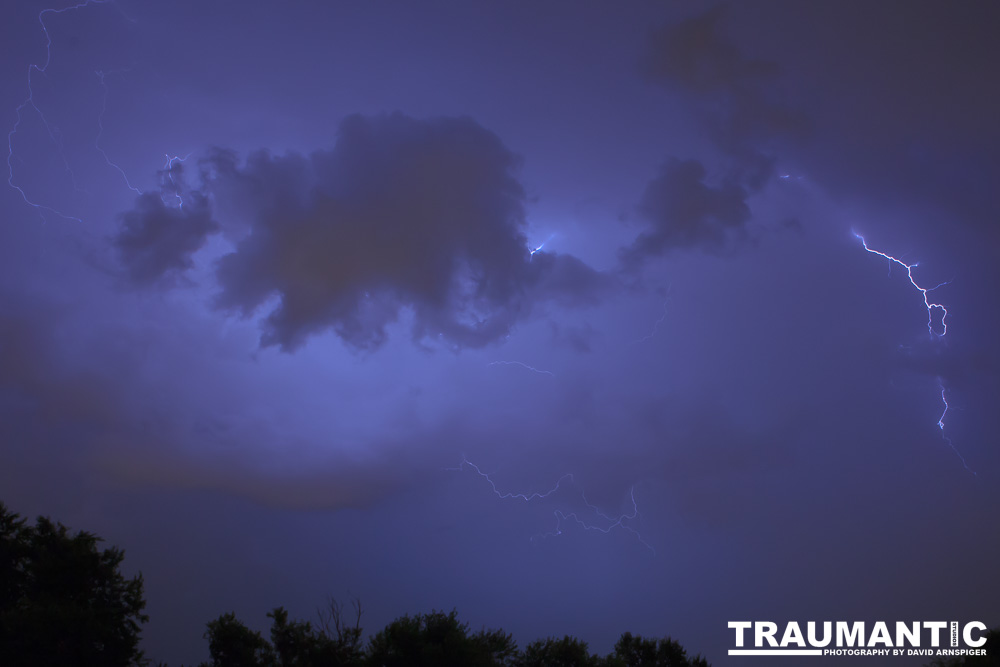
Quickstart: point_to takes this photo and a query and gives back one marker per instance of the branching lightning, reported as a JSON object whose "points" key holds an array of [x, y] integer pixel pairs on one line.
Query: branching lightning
{"points": [[100, 130], [522, 365], [924, 292], [618, 522], [168, 175], [944, 436], [612, 522], [508, 496], [29, 102], [167, 182], [931, 307]]}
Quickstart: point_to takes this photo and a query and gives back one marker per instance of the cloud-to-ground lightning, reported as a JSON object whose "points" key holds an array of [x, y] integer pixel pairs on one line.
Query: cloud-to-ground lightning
{"points": [[29, 102], [931, 307], [940, 423], [924, 291], [611, 522], [522, 365]]}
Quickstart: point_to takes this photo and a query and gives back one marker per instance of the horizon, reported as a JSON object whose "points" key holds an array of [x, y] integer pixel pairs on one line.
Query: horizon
{"points": [[672, 314]]}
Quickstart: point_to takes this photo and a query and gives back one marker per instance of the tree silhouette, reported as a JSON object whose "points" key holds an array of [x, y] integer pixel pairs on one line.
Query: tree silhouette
{"points": [[63, 601], [634, 651], [436, 639], [344, 634], [334, 643], [565, 652], [991, 659], [439, 639], [232, 644]]}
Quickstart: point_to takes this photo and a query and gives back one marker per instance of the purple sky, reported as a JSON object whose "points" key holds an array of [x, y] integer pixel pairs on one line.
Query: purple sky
{"points": [[258, 369]]}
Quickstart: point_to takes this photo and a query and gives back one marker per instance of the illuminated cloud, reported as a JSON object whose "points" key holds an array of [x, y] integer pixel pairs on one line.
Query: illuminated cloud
{"points": [[157, 240], [422, 216], [683, 211], [743, 113]]}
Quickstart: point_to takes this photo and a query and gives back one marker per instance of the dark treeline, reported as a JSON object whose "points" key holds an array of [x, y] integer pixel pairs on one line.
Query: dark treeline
{"points": [[64, 603], [434, 639]]}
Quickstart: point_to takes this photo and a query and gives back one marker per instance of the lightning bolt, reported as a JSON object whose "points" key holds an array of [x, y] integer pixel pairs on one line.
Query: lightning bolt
{"points": [[168, 175], [100, 125], [29, 103], [532, 251], [924, 292], [618, 522], [167, 182], [522, 365], [612, 522], [931, 307], [656, 325], [944, 436]]}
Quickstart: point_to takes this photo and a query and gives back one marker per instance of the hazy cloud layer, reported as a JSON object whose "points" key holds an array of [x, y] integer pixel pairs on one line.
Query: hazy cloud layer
{"points": [[105, 415]]}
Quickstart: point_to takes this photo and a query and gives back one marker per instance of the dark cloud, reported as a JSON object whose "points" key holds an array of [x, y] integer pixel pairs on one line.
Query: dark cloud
{"points": [[738, 96], [693, 54], [743, 113], [157, 240], [424, 216], [683, 211]]}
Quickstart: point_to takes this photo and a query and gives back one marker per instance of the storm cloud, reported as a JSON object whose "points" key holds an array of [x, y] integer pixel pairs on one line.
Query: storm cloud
{"points": [[403, 218], [156, 241], [739, 97], [583, 206], [684, 211], [743, 113]]}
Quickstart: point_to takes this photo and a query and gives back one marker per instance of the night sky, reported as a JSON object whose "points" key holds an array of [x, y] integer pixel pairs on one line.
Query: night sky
{"points": [[308, 299]]}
